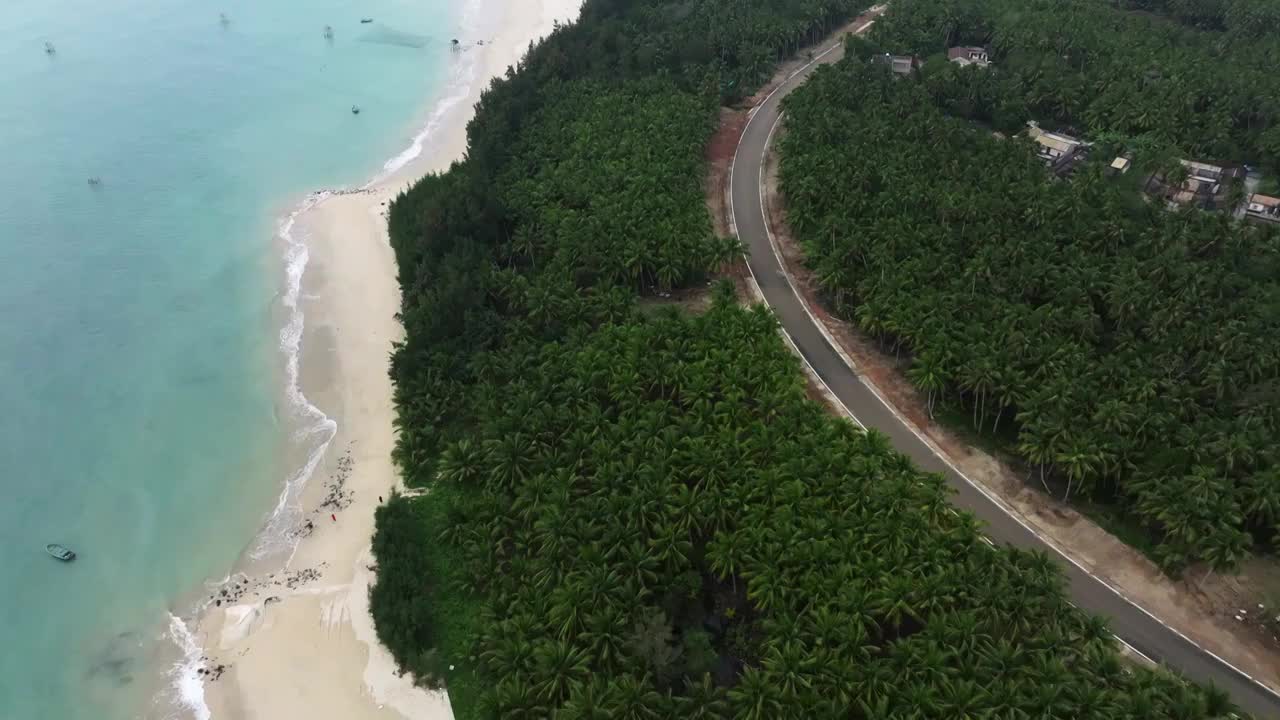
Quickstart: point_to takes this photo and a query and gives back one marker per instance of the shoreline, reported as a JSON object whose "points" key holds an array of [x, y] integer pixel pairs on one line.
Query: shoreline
{"points": [[294, 638]]}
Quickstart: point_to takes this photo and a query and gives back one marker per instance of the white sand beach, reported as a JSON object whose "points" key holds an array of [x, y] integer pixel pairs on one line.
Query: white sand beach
{"points": [[298, 642]]}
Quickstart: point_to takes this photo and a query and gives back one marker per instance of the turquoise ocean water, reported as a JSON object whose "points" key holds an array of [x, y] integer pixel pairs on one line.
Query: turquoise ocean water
{"points": [[144, 420]]}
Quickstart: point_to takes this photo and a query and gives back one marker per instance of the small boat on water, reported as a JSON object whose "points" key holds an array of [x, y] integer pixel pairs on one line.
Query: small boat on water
{"points": [[60, 552], [365, 21]]}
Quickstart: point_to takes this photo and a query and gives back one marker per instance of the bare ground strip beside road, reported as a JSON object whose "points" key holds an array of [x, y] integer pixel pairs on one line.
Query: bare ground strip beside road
{"points": [[1205, 615]]}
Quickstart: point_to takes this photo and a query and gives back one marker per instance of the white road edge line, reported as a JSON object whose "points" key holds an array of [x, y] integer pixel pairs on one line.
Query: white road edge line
{"points": [[998, 502], [733, 227], [1134, 650]]}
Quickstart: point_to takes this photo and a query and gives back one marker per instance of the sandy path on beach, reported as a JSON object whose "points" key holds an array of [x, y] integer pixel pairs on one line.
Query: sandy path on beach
{"points": [[310, 651]]}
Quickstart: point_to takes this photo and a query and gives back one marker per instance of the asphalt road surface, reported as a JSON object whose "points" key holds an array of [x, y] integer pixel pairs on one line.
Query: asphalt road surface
{"points": [[1132, 624]]}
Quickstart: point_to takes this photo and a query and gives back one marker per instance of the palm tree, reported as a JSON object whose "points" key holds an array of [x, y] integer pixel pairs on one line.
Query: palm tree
{"points": [[513, 697], [928, 375], [636, 699], [507, 654], [510, 458], [560, 666], [962, 699], [1218, 703], [979, 379], [1038, 449], [725, 554], [1236, 451], [461, 463], [703, 700], [568, 606], [766, 587], [589, 701], [640, 564], [755, 697], [1080, 462], [1261, 496], [604, 636], [789, 666]]}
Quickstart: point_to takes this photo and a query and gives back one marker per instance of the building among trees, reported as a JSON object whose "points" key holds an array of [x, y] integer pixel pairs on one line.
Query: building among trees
{"points": [[1060, 152], [965, 56], [1196, 184], [1263, 208], [901, 65]]}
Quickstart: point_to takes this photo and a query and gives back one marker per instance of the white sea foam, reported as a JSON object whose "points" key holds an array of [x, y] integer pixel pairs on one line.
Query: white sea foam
{"points": [[462, 75], [314, 426], [315, 429], [186, 685], [460, 86]]}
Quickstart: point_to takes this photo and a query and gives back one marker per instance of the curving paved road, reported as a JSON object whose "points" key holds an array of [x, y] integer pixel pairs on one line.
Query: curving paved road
{"points": [[1132, 624]]}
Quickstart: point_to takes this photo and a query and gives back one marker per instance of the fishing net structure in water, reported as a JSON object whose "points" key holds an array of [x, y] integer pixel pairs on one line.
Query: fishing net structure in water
{"points": [[383, 35]]}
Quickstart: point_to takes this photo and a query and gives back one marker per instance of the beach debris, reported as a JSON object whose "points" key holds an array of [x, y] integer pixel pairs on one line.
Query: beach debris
{"points": [[302, 577], [302, 531], [246, 588], [337, 497], [210, 672], [319, 194], [328, 32], [49, 49]]}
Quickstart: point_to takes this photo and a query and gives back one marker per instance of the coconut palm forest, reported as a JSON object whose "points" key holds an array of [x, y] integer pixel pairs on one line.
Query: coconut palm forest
{"points": [[1127, 352], [628, 507]]}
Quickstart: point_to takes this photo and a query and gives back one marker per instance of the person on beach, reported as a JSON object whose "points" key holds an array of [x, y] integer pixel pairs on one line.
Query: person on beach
{"points": [[379, 499], [334, 517]]}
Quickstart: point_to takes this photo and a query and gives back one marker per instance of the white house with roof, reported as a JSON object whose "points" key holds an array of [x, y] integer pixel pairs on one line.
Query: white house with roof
{"points": [[1060, 152], [901, 65]]}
